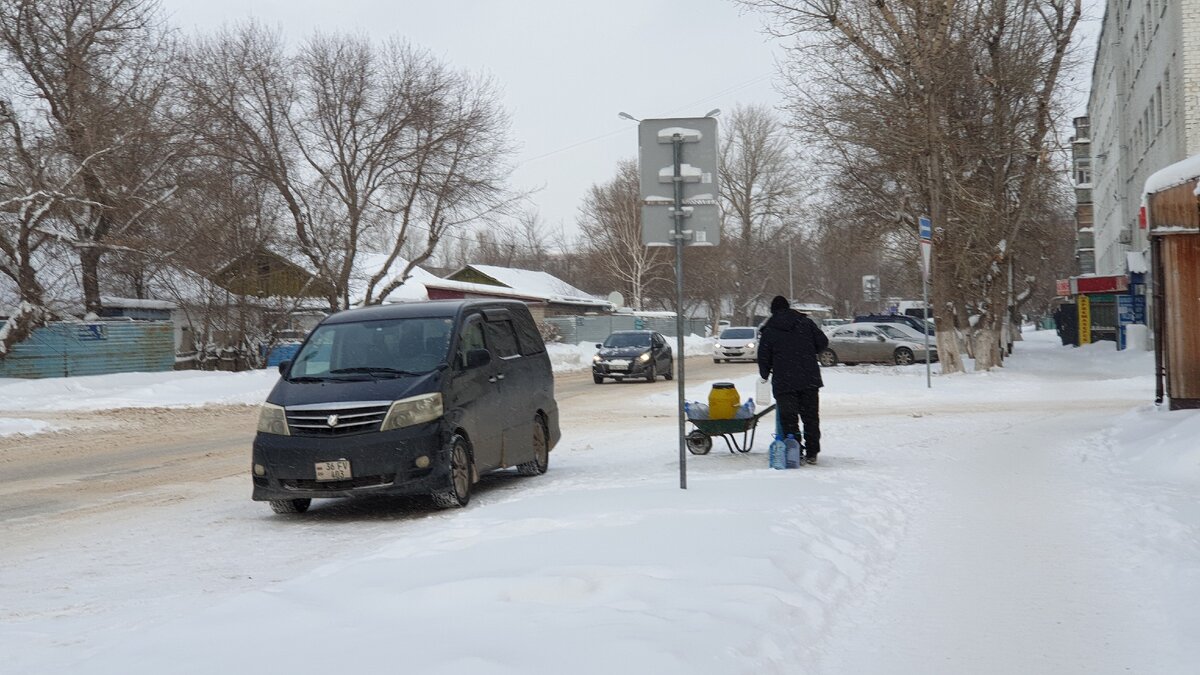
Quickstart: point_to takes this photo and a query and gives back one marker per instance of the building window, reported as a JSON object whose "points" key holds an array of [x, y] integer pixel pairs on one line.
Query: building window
{"points": [[1083, 172], [1158, 94], [1167, 90]]}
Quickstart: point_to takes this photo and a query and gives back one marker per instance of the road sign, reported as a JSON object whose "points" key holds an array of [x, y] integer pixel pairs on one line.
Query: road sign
{"points": [[870, 284], [697, 138], [925, 231]]}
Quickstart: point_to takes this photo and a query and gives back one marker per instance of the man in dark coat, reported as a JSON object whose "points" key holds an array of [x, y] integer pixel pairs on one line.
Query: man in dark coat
{"points": [[787, 349]]}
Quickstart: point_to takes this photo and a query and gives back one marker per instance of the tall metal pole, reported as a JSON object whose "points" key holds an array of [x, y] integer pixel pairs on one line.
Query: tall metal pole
{"points": [[677, 151], [925, 328]]}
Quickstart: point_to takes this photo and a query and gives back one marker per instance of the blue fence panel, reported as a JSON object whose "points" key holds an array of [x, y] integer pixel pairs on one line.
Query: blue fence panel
{"points": [[284, 351], [97, 348]]}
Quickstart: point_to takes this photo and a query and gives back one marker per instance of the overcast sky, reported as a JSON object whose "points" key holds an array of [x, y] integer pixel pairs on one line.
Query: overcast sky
{"points": [[566, 68]]}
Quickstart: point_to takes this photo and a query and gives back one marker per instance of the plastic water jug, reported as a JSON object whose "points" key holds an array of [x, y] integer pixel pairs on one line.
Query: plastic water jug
{"points": [[793, 452], [777, 454], [762, 392], [745, 411], [723, 401]]}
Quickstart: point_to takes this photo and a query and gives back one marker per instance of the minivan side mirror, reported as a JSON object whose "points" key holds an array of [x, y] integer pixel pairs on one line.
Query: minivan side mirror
{"points": [[284, 367], [478, 357]]}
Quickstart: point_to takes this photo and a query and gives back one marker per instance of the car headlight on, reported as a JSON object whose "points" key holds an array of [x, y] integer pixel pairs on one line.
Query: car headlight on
{"points": [[413, 410], [273, 420], [644, 357], [596, 359], [749, 345]]}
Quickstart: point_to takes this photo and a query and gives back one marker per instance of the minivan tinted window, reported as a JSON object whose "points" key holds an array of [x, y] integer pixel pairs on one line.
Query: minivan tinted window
{"points": [[501, 338], [352, 350]]}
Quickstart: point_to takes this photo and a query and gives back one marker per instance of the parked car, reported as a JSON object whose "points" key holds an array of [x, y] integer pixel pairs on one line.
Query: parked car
{"points": [[915, 322], [826, 324], [414, 398], [631, 354], [874, 343], [738, 343]]}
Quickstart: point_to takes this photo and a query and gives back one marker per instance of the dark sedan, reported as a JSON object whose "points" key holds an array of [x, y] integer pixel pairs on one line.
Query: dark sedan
{"points": [[640, 354]]}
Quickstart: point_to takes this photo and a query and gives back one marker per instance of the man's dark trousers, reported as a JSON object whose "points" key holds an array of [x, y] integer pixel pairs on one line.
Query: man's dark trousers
{"points": [[802, 406]]}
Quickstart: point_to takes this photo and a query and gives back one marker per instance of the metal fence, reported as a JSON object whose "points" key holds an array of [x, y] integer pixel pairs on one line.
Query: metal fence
{"points": [[575, 329], [96, 348]]}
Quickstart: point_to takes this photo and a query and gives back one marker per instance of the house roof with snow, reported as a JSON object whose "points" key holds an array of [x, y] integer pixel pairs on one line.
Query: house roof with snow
{"points": [[529, 285]]}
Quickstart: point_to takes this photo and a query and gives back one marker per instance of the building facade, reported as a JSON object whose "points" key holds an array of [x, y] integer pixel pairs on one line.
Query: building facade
{"points": [[1144, 110]]}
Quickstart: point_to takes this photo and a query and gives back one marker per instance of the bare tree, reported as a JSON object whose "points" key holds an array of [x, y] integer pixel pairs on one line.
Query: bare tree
{"points": [[941, 107], [762, 188], [611, 223], [94, 69], [367, 148]]}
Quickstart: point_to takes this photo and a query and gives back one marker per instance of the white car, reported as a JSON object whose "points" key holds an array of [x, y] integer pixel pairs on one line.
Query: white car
{"points": [[736, 343]]}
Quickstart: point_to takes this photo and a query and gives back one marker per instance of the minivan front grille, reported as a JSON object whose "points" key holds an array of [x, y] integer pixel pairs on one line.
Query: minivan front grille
{"points": [[337, 419]]}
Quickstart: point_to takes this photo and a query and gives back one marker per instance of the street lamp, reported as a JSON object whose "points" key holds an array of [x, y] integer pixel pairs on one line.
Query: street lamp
{"points": [[627, 116], [713, 113]]}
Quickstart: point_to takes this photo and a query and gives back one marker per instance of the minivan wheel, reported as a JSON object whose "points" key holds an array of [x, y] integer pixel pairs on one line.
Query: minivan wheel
{"points": [[458, 492], [904, 356], [541, 451], [827, 358], [290, 505], [651, 374]]}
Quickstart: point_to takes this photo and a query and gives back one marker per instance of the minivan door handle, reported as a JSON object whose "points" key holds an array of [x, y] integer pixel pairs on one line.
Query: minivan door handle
{"points": [[492, 378], [500, 376]]}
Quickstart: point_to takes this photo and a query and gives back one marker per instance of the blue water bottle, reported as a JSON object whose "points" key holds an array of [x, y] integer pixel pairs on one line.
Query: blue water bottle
{"points": [[777, 453], [793, 451]]}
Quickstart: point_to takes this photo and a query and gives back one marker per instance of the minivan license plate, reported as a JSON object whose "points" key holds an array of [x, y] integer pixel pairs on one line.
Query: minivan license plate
{"points": [[337, 470]]}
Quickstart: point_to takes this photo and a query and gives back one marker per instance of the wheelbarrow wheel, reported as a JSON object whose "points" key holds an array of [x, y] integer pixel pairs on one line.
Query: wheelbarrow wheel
{"points": [[699, 443]]}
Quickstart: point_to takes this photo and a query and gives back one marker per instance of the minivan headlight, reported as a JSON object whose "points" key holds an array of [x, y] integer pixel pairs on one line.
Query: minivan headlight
{"points": [[413, 410], [644, 357], [273, 420]]}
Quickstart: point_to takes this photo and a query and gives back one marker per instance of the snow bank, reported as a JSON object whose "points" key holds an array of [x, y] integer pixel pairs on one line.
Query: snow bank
{"points": [[14, 426], [177, 389]]}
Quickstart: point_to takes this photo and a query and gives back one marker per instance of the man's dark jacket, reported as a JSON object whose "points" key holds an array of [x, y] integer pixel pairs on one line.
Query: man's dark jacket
{"points": [[788, 350]]}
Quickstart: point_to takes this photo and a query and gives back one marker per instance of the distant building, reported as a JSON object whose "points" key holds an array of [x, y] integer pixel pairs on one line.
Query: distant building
{"points": [[546, 294]]}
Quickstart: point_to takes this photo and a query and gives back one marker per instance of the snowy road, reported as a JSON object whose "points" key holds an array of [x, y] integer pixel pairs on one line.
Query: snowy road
{"points": [[1036, 520]]}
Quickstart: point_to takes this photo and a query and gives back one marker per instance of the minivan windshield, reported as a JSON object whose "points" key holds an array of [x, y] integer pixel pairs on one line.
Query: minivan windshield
{"points": [[737, 334], [385, 348], [618, 340]]}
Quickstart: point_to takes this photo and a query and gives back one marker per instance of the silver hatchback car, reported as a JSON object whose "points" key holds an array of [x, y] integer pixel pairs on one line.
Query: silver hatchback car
{"points": [[875, 343]]}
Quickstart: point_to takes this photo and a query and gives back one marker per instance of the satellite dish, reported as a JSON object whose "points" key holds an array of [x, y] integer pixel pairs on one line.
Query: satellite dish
{"points": [[616, 299]]}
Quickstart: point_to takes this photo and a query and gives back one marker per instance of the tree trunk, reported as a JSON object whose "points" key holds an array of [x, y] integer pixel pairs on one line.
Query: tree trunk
{"points": [[89, 265]]}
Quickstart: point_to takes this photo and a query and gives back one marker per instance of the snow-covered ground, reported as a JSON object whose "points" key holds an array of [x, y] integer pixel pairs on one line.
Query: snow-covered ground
{"points": [[195, 388], [1037, 519]]}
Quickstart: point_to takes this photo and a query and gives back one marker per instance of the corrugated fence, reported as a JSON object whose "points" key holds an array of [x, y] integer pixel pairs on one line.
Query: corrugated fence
{"points": [[99, 348], [574, 329]]}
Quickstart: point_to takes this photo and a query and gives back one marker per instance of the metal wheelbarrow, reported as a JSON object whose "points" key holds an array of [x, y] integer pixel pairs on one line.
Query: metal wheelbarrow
{"points": [[699, 441]]}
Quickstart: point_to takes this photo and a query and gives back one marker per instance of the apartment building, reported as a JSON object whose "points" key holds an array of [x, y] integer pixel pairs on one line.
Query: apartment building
{"points": [[1144, 112]]}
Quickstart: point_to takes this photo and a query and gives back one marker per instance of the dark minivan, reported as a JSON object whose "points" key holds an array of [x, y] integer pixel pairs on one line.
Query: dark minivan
{"points": [[415, 398]]}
